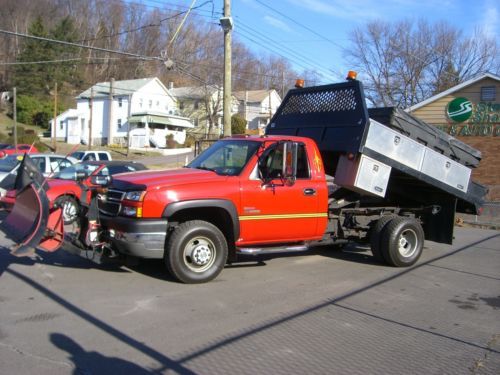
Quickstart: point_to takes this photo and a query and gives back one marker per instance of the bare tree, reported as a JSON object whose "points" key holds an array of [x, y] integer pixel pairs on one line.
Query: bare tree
{"points": [[406, 62]]}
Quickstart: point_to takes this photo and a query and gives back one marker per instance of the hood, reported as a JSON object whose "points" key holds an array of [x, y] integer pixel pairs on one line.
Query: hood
{"points": [[56, 182], [162, 178]]}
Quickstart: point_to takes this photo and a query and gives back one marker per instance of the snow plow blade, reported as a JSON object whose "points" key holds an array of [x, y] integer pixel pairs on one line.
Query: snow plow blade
{"points": [[30, 224]]}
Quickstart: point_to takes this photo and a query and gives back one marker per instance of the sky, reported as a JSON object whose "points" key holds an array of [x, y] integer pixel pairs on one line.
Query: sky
{"points": [[312, 34]]}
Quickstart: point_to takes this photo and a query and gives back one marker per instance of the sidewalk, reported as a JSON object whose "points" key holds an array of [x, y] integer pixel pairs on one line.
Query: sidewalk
{"points": [[489, 218]]}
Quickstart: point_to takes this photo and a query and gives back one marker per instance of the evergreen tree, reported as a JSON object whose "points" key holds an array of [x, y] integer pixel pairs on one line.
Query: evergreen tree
{"points": [[34, 79], [66, 71]]}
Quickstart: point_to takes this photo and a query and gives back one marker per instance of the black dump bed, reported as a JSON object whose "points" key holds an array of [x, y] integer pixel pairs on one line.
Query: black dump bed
{"points": [[337, 118]]}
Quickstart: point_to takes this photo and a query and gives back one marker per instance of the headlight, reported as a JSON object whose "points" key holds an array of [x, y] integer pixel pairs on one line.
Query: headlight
{"points": [[135, 196], [132, 211]]}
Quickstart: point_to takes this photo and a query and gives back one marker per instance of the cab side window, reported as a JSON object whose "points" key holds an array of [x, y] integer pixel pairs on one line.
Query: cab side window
{"points": [[303, 170], [273, 162], [271, 166]]}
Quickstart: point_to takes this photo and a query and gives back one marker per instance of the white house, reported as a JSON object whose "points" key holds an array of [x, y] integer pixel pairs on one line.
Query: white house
{"points": [[204, 106], [142, 110], [257, 107]]}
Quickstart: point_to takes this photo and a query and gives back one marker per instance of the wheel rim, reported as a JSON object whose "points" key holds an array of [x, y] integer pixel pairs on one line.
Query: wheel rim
{"points": [[199, 254], [408, 243], [70, 211]]}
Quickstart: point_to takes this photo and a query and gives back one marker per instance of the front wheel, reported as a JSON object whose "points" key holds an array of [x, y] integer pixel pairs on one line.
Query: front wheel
{"points": [[70, 208], [196, 252], [402, 242]]}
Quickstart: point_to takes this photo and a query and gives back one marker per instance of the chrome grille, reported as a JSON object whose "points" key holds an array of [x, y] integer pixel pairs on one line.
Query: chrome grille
{"points": [[110, 203]]}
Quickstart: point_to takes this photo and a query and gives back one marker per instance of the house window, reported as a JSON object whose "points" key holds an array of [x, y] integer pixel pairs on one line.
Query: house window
{"points": [[61, 125], [119, 123], [150, 104], [120, 102], [488, 93], [140, 102], [157, 103], [181, 105], [196, 104]]}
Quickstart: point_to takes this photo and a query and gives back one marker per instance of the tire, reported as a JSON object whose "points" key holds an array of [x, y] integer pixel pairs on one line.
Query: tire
{"points": [[70, 208], [196, 252], [402, 242], [376, 236]]}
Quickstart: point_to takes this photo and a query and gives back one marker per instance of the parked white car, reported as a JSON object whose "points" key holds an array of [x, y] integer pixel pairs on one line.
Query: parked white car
{"points": [[91, 155]]}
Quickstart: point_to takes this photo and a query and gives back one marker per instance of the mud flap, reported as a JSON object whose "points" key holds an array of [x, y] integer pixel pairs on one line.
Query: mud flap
{"points": [[30, 224]]}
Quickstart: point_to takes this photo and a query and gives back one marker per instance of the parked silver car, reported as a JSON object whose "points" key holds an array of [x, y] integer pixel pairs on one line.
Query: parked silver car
{"points": [[47, 163]]}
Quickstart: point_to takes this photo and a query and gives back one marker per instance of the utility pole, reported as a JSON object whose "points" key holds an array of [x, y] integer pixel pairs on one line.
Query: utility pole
{"points": [[54, 140], [282, 84], [227, 25], [110, 124], [14, 104], [128, 122], [91, 105]]}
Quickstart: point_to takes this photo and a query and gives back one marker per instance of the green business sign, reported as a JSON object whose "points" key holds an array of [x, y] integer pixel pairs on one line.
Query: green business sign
{"points": [[459, 109]]}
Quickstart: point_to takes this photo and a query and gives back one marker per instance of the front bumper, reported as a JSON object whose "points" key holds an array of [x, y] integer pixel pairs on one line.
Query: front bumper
{"points": [[143, 238]]}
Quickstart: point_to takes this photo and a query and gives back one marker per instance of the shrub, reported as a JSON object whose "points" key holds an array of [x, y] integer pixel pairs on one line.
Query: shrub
{"points": [[238, 125], [171, 143], [33, 111]]}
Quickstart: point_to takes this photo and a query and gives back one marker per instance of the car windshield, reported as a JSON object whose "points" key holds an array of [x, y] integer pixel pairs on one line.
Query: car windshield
{"points": [[9, 162], [77, 155], [226, 157], [72, 172]]}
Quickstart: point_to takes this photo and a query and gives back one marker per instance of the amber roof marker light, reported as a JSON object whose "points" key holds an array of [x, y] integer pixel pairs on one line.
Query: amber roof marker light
{"points": [[351, 75], [299, 83]]}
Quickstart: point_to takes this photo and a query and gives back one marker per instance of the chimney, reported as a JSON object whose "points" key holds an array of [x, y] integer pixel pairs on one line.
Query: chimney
{"points": [[170, 85]]}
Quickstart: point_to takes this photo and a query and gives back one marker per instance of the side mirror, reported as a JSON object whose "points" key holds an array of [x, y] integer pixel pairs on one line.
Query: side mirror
{"points": [[289, 172], [80, 175], [100, 180]]}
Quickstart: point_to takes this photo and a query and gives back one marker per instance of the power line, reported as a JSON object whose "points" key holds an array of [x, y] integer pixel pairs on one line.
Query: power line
{"points": [[79, 45], [123, 32], [107, 60], [266, 47], [299, 24], [296, 55], [38, 62], [285, 49]]}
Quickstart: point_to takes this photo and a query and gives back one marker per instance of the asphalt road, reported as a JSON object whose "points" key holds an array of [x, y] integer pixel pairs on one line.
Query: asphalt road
{"points": [[329, 312]]}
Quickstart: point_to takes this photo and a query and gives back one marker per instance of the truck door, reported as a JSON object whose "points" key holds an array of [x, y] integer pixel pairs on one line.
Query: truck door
{"points": [[272, 211]]}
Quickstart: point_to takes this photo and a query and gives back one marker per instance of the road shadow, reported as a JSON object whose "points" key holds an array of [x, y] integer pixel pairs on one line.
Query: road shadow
{"points": [[60, 258], [154, 268], [91, 362]]}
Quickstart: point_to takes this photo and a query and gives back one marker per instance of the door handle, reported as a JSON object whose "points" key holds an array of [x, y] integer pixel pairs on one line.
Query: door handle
{"points": [[309, 191]]}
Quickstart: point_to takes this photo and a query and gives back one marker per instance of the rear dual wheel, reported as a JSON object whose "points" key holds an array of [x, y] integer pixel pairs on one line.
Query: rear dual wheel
{"points": [[400, 240]]}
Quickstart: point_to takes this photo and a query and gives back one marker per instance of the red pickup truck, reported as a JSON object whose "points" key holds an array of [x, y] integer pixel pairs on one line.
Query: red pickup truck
{"points": [[325, 171], [232, 197]]}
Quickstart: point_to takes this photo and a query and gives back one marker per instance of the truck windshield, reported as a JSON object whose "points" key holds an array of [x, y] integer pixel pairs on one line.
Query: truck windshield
{"points": [[226, 157]]}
